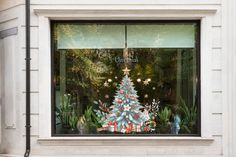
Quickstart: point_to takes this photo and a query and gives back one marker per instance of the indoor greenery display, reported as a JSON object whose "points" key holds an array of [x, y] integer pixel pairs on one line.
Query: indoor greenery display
{"points": [[66, 113], [88, 122], [189, 117], [73, 120], [163, 117]]}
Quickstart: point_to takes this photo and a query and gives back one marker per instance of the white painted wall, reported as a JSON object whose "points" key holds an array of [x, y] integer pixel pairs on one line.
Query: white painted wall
{"points": [[229, 35], [12, 15]]}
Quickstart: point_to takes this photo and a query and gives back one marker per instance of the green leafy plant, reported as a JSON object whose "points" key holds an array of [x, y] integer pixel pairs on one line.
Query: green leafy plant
{"points": [[91, 118], [163, 122], [66, 113], [89, 121], [73, 119], [189, 117]]}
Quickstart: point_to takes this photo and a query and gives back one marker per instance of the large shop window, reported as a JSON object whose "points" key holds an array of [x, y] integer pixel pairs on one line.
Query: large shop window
{"points": [[121, 78]]}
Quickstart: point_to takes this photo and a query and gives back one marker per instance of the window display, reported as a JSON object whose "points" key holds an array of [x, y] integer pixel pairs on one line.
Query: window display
{"points": [[125, 78]]}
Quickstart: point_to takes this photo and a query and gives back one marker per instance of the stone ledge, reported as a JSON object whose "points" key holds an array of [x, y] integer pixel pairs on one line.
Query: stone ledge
{"points": [[9, 155], [116, 141], [6, 155]]}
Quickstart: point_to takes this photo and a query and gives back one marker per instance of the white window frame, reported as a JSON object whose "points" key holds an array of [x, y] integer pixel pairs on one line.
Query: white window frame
{"points": [[123, 12]]}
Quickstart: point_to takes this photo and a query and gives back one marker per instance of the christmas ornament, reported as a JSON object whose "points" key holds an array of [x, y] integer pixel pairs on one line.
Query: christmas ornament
{"points": [[119, 101], [126, 107], [136, 116], [145, 82], [126, 71], [107, 96], [106, 84], [139, 80]]}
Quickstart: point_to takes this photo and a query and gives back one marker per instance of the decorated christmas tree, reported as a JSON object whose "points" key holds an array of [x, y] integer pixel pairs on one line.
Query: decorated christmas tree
{"points": [[125, 115]]}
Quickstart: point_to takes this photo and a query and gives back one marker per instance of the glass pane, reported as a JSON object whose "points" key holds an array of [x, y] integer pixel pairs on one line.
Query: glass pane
{"points": [[83, 36], [161, 36], [126, 91]]}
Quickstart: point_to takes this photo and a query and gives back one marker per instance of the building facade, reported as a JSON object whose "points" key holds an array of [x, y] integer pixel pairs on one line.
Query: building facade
{"points": [[62, 31]]}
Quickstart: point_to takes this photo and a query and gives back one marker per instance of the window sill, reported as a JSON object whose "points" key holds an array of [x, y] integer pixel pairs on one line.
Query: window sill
{"points": [[109, 141]]}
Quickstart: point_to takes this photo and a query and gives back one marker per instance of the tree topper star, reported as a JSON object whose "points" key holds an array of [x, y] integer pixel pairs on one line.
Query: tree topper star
{"points": [[126, 71]]}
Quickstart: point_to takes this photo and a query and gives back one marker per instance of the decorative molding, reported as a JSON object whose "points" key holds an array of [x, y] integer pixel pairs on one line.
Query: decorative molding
{"points": [[124, 11], [8, 32]]}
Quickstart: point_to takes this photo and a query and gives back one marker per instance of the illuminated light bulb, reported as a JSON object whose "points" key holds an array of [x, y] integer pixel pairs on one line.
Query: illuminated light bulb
{"points": [[109, 80], [149, 79], [139, 80]]}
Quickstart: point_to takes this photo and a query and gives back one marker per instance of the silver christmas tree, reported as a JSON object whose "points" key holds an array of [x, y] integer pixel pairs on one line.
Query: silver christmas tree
{"points": [[126, 115]]}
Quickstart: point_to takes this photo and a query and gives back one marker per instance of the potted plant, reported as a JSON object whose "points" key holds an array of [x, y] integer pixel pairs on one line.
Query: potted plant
{"points": [[189, 117], [88, 122], [163, 122], [73, 119], [67, 114]]}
